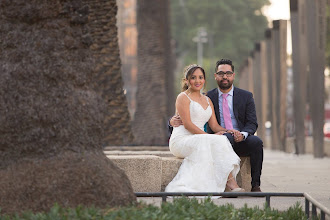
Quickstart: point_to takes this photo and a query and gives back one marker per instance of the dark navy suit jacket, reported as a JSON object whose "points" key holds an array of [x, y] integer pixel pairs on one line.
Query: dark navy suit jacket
{"points": [[243, 107]]}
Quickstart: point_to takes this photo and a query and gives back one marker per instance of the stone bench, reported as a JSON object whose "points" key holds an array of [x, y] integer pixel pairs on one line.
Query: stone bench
{"points": [[151, 171]]}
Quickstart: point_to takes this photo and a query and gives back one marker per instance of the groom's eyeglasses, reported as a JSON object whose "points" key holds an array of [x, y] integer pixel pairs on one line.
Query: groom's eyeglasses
{"points": [[228, 73]]}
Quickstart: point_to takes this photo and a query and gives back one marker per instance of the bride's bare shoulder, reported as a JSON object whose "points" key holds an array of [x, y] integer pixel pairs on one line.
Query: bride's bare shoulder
{"points": [[182, 97], [183, 94], [206, 97]]}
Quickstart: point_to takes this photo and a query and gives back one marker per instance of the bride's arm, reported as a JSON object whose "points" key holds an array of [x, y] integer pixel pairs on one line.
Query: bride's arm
{"points": [[213, 123], [183, 107]]}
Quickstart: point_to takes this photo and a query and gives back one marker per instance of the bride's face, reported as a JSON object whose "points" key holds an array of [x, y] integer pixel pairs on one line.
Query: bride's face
{"points": [[197, 80]]}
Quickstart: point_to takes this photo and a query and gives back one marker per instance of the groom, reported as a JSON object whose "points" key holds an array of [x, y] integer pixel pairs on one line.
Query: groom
{"points": [[235, 110]]}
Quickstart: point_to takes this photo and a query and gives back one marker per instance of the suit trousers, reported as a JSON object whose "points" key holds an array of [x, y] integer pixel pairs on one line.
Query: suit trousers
{"points": [[251, 147]]}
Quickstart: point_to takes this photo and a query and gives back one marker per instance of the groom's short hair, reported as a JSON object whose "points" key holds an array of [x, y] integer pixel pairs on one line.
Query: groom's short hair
{"points": [[224, 61]]}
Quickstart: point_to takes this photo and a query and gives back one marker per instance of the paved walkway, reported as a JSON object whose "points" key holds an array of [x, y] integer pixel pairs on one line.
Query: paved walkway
{"points": [[283, 172]]}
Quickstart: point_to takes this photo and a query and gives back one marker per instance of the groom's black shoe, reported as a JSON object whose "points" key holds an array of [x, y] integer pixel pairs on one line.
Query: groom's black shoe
{"points": [[256, 189]]}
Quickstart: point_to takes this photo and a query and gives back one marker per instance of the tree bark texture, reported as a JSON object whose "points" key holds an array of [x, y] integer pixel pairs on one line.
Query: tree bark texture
{"points": [[51, 119]]}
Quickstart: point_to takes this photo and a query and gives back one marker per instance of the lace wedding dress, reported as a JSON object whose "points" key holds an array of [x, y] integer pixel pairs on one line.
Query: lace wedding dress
{"points": [[208, 158]]}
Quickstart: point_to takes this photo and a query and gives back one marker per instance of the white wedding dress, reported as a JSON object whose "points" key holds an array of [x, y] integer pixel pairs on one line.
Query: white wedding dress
{"points": [[208, 158]]}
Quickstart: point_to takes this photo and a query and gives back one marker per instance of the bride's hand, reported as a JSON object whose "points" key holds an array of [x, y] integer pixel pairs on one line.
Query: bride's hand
{"points": [[220, 132]]}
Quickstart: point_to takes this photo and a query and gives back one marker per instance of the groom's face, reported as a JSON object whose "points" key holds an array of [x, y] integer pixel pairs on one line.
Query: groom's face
{"points": [[226, 81]]}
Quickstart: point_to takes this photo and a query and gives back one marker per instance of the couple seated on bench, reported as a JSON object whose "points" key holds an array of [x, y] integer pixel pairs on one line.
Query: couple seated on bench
{"points": [[211, 159]]}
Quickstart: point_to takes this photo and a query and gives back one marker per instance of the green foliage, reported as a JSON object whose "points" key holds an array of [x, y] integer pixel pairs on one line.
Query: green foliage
{"points": [[233, 28], [59, 213], [182, 208]]}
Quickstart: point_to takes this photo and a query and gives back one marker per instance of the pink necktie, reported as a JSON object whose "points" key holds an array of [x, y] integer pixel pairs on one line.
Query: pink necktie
{"points": [[226, 113]]}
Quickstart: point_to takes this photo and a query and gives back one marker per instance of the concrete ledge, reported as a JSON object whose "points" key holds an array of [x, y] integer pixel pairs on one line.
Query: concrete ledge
{"points": [[142, 152], [152, 173], [244, 176], [136, 148], [144, 172]]}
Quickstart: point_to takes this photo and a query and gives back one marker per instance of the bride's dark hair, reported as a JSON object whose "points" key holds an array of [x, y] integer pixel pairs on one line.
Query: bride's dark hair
{"points": [[187, 72]]}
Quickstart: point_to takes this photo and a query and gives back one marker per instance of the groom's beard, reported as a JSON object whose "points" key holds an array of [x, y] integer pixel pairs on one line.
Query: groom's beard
{"points": [[224, 86]]}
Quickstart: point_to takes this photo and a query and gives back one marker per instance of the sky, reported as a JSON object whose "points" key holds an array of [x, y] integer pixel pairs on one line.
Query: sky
{"points": [[279, 9]]}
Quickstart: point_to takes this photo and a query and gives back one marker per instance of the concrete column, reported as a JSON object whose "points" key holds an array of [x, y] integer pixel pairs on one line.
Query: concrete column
{"points": [[316, 34], [270, 74], [250, 72], [244, 76], [280, 79], [260, 87], [256, 84], [299, 68], [264, 89]]}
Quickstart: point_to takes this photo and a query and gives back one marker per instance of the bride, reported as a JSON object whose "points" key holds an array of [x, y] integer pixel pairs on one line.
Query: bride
{"points": [[210, 164]]}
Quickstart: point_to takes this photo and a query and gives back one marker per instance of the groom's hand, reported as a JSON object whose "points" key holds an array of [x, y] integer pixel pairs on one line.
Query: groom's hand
{"points": [[176, 121], [238, 136]]}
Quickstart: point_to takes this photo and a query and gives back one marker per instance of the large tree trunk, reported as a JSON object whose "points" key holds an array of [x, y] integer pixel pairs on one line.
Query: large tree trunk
{"points": [[51, 118], [154, 73], [108, 80]]}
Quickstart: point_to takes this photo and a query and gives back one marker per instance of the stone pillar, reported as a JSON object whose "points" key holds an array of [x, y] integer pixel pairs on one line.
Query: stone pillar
{"points": [[316, 28], [260, 87], [250, 72], [280, 80], [127, 39], [244, 76], [299, 68], [275, 92], [264, 90], [270, 73], [257, 88]]}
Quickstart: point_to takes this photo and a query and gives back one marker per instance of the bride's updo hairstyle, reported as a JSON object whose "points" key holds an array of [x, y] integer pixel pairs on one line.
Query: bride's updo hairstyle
{"points": [[187, 73]]}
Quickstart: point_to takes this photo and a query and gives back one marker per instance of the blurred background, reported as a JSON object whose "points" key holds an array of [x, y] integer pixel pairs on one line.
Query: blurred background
{"points": [[157, 39]]}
